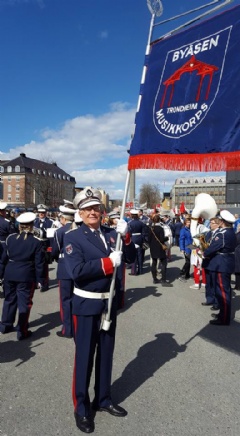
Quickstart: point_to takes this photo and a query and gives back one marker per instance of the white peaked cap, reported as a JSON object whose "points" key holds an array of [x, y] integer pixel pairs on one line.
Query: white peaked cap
{"points": [[26, 218], [227, 216], [87, 197]]}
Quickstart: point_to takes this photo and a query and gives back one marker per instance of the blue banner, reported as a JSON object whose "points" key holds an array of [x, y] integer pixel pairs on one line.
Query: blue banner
{"points": [[189, 117]]}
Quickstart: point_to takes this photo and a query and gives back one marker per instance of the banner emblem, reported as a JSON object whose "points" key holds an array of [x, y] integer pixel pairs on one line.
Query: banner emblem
{"points": [[189, 84]]}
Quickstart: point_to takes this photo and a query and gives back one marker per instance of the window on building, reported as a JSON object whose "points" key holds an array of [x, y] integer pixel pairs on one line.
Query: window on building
{"points": [[1, 169], [59, 176], [44, 173], [17, 178], [17, 197], [49, 173], [55, 175], [9, 169], [33, 171], [17, 188], [9, 178], [68, 178], [212, 181], [39, 171], [9, 197], [9, 188], [64, 177], [17, 169]]}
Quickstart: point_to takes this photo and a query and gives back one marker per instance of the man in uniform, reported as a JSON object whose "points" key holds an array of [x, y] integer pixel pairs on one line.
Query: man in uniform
{"points": [[90, 259], [5, 230], [65, 282], [43, 222], [23, 265], [222, 263]]}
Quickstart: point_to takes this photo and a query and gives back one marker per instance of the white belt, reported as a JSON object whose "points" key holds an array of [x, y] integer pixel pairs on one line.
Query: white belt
{"points": [[95, 295], [136, 234]]}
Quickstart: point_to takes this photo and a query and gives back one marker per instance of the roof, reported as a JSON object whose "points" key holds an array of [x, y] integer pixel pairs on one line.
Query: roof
{"points": [[28, 164]]}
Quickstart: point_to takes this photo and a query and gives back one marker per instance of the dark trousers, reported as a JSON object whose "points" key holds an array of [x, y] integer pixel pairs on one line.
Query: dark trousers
{"points": [[223, 295], [65, 296], [210, 291], [137, 266], [186, 267], [88, 340], [163, 268], [18, 295]]}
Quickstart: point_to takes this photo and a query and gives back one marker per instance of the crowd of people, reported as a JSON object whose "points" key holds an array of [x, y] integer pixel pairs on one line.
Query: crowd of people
{"points": [[93, 250]]}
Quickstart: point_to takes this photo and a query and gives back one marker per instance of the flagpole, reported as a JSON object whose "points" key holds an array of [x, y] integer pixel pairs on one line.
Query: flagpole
{"points": [[107, 321]]}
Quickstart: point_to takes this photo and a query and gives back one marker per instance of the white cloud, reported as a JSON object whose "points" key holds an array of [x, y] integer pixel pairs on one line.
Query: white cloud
{"points": [[93, 149]]}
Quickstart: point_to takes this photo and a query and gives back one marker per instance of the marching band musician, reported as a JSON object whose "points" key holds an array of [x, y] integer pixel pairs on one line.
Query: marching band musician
{"points": [[23, 261], [90, 259], [43, 222], [222, 262], [139, 232], [210, 292], [66, 284]]}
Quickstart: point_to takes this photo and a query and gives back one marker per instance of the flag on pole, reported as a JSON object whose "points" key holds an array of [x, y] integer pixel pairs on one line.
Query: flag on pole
{"points": [[189, 116]]}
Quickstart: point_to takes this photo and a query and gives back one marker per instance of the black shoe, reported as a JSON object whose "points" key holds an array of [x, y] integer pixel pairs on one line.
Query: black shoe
{"points": [[156, 281], [166, 284], [214, 315], [206, 304], [7, 329], [214, 307], [113, 410], [61, 335], [84, 423], [217, 321], [21, 337]]}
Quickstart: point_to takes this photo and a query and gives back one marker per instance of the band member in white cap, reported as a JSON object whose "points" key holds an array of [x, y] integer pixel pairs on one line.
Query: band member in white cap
{"points": [[90, 259], [65, 282], [222, 262], [23, 261], [44, 223]]}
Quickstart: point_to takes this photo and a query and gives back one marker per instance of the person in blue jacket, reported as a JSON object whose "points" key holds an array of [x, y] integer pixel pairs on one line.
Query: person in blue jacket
{"points": [[65, 282], [185, 239], [23, 265], [221, 255], [90, 258]]}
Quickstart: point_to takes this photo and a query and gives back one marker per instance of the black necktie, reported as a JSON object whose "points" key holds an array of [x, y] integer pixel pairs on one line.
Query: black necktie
{"points": [[97, 233]]}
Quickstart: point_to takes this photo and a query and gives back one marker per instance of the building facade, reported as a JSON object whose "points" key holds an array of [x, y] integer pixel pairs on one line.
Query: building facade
{"points": [[27, 182], [187, 188]]}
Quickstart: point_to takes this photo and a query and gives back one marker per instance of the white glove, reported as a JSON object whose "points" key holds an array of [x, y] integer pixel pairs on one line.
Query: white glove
{"points": [[122, 227], [116, 258]]}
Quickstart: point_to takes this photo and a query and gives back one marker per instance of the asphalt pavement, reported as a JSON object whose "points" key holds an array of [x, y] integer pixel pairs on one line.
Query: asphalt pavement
{"points": [[176, 374]]}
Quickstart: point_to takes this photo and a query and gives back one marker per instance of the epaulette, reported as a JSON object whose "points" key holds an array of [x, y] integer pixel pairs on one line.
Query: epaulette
{"points": [[39, 239], [71, 230]]}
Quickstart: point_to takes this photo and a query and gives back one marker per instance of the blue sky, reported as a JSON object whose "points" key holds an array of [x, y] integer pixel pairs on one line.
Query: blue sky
{"points": [[69, 82]]}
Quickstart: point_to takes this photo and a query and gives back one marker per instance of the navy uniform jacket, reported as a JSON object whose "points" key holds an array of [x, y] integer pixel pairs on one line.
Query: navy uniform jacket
{"points": [[45, 224], [221, 251], [23, 258], [88, 264], [5, 228], [138, 231], [58, 252]]}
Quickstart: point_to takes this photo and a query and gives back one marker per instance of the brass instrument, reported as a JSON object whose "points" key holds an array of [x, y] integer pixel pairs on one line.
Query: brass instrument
{"points": [[203, 244]]}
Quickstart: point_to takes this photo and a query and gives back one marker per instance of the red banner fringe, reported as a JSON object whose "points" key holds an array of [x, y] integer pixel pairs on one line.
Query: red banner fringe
{"points": [[187, 162]]}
